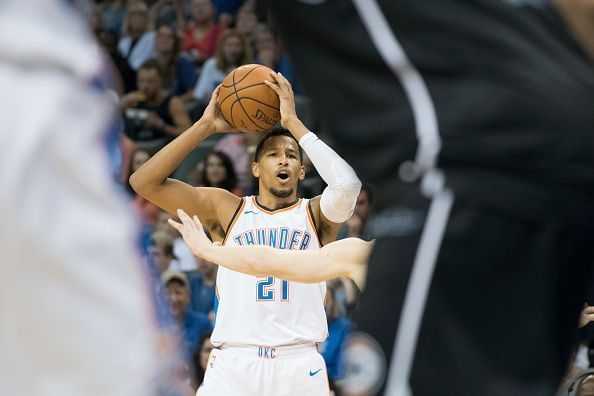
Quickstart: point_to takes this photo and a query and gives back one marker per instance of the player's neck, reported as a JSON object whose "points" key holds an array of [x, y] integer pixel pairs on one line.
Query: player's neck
{"points": [[270, 201]]}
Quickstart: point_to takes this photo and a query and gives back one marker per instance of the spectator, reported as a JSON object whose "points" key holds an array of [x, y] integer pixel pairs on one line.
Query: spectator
{"points": [[232, 51], [152, 115], [174, 13], [338, 331], [218, 171], [179, 74], [201, 34], [227, 9], [356, 226], [192, 325], [112, 14], [185, 260], [138, 44], [246, 23], [202, 288], [160, 250], [127, 76], [201, 359]]}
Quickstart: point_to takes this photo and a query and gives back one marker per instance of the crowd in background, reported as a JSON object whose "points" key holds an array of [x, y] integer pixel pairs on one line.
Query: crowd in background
{"points": [[167, 58]]}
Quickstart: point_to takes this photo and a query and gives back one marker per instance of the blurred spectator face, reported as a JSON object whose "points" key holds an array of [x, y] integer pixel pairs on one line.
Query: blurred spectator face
{"points": [[205, 349], [138, 159], [179, 296], [264, 40], [96, 20], [246, 22], [363, 207], [215, 170], [159, 257], [137, 17], [205, 268], [233, 49], [165, 41], [202, 10], [149, 82], [162, 225]]}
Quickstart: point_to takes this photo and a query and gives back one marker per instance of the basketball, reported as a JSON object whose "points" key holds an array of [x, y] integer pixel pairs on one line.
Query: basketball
{"points": [[246, 101]]}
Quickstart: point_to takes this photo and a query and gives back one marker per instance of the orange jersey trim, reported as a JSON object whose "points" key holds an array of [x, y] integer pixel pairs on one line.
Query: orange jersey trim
{"points": [[263, 209], [234, 219]]}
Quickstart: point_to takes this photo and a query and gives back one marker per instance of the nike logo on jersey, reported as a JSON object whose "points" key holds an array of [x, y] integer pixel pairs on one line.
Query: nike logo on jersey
{"points": [[312, 373], [250, 212]]}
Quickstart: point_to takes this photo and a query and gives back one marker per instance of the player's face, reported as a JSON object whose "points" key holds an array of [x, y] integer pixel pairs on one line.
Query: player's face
{"points": [[215, 170], [149, 82], [179, 296], [233, 49], [279, 166]]}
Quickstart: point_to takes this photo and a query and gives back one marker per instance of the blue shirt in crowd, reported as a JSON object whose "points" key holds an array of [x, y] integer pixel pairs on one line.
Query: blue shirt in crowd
{"points": [[331, 350]]}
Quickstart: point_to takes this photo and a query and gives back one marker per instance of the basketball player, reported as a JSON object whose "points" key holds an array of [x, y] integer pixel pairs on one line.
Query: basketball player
{"points": [[266, 328], [77, 317], [479, 135], [345, 257]]}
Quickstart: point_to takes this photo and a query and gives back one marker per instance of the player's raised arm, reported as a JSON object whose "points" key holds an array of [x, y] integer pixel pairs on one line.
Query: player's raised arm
{"points": [[152, 180], [347, 257], [337, 202]]}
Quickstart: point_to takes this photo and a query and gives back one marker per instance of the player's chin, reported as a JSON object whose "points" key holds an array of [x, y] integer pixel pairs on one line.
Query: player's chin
{"points": [[282, 192]]}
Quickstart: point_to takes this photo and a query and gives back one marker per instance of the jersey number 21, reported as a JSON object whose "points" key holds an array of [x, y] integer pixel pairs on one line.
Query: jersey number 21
{"points": [[265, 290]]}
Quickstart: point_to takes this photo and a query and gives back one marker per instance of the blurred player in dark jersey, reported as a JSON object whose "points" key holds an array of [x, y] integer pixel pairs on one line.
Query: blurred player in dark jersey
{"points": [[475, 120]]}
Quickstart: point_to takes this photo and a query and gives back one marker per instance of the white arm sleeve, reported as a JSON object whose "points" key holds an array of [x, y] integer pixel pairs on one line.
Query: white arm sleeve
{"points": [[339, 198]]}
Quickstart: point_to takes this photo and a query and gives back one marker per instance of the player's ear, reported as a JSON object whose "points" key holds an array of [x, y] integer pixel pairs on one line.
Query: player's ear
{"points": [[255, 169], [301, 172]]}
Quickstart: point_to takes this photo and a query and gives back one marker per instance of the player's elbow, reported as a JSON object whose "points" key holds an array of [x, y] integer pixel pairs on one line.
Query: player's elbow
{"points": [[139, 183]]}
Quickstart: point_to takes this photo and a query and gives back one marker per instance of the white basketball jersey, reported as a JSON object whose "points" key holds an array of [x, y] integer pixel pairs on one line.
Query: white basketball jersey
{"points": [[269, 311]]}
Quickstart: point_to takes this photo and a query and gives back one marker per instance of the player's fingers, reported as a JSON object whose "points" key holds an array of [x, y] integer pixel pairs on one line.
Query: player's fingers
{"points": [[197, 222], [283, 80], [174, 224], [275, 87], [183, 216], [589, 309]]}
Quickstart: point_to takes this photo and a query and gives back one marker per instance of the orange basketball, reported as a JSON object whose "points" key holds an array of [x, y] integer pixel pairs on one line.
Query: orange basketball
{"points": [[246, 101]]}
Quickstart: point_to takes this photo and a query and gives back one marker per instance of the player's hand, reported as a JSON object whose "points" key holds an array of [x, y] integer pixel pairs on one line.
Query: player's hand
{"points": [[586, 316], [284, 90], [212, 114], [192, 233]]}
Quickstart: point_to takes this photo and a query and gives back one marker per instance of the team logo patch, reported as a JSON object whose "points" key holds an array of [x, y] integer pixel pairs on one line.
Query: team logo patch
{"points": [[365, 366]]}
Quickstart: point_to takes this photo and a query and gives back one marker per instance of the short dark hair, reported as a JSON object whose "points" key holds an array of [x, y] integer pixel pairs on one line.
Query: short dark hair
{"points": [[273, 132], [152, 64]]}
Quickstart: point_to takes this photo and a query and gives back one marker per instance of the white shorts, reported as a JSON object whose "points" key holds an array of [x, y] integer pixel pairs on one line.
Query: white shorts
{"points": [[265, 371]]}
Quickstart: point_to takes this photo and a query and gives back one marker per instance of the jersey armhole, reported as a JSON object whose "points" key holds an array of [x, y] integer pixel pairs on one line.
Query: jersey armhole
{"points": [[312, 220], [233, 218]]}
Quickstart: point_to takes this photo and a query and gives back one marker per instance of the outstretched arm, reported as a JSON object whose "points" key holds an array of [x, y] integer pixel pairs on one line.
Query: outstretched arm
{"points": [[347, 257]]}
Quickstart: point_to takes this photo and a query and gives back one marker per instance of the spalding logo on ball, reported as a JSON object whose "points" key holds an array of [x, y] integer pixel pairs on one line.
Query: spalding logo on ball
{"points": [[246, 101]]}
